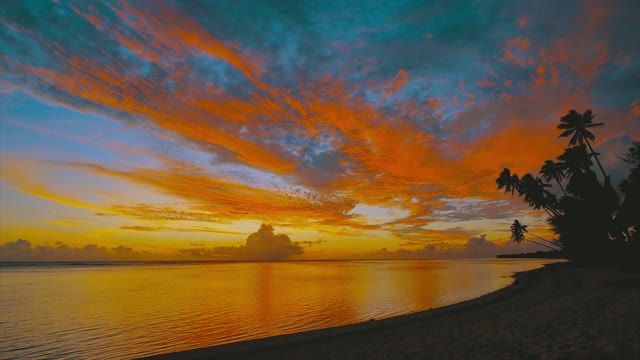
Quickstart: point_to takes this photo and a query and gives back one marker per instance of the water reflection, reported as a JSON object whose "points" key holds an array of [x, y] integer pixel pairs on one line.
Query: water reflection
{"points": [[129, 311]]}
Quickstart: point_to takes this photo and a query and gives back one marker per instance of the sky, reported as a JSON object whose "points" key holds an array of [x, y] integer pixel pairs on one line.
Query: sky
{"points": [[271, 130]]}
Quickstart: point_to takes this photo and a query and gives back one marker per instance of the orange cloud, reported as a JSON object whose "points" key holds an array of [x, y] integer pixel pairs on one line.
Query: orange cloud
{"points": [[219, 200], [106, 87], [164, 228], [515, 50], [383, 159], [401, 79], [522, 22], [435, 104], [519, 43], [173, 42], [487, 83], [19, 174], [583, 48]]}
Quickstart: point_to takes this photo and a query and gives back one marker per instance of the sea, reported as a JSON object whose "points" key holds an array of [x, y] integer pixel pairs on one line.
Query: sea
{"points": [[129, 310]]}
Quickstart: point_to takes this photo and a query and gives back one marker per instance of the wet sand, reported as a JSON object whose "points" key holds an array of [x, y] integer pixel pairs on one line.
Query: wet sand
{"points": [[559, 311]]}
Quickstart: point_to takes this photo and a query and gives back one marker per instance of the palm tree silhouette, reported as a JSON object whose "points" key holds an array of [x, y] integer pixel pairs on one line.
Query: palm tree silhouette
{"points": [[536, 194], [575, 160], [553, 171], [593, 222], [509, 182], [517, 234], [577, 126], [628, 214], [517, 231]]}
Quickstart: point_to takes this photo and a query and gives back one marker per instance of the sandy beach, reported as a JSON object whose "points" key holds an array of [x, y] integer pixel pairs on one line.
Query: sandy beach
{"points": [[560, 311]]}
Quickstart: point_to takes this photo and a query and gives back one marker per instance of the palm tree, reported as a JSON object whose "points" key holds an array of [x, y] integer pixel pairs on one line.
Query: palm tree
{"points": [[553, 171], [577, 125], [633, 156], [509, 182], [517, 231], [630, 187], [517, 234], [536, 194], [575, 160]]}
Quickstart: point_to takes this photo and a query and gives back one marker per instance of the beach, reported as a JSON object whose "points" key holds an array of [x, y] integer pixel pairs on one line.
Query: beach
{"points": [[559, 311]]}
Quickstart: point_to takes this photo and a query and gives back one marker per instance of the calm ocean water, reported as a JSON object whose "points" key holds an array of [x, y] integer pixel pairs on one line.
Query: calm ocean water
{"points": [[130, 310]]}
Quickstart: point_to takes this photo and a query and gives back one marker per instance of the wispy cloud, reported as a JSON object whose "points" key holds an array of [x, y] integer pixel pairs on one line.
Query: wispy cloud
{"points": [[299, 116], [175, 229]]}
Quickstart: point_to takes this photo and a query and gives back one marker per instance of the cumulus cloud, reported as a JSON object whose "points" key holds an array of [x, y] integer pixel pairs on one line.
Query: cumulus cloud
{"points": [[22, 250], [475, 247], [263, 244]]}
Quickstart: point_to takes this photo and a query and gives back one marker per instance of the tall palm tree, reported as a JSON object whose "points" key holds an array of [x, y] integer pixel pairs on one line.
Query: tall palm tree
{"points": [[509, 182], [553, 171], [517, 234], [577, 126]]}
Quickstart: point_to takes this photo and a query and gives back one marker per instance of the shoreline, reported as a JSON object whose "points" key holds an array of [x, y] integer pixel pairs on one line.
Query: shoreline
{"points": [[354, 335]]}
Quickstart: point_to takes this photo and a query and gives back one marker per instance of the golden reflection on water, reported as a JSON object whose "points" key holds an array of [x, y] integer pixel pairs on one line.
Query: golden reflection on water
{"points": [[135, 310]]}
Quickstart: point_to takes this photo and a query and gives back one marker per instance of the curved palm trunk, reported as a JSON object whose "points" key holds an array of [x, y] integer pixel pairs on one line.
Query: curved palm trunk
{"points": [[541, 244], [551, 211], [597, 160], [550, 242], [561, 187]]}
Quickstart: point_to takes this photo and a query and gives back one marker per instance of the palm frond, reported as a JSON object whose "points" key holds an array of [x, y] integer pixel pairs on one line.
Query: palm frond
{"points": [[566, 132], [576, 138], [594, 125]]}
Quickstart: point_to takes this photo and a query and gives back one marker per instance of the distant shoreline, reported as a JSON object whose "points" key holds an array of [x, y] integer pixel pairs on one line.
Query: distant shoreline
{"points": [[21, 263], [534, 255], [545, 313]]}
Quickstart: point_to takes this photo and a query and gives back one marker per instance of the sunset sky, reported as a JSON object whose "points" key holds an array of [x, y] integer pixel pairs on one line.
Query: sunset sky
{"points": [[144, 130]]}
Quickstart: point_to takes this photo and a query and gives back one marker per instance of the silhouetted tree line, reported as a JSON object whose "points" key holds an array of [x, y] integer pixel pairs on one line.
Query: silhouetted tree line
{"points": [[534, 255], [594, 222]]}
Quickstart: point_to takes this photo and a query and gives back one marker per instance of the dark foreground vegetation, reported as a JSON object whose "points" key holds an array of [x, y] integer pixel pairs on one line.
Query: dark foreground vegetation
{"points": [[596, 223]]}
